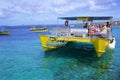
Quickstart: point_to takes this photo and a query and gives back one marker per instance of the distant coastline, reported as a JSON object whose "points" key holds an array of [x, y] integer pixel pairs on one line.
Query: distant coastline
{"points": [[116, 23]]}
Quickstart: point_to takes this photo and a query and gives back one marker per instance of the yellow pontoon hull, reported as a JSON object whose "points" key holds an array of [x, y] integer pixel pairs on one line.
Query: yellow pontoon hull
{"points": [[44, 40], [100, 44]]}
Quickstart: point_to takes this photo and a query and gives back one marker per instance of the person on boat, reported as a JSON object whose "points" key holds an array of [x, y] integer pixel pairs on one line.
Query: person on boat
{"points": [[98, 29], [86, 25], [91, 30], [66, 23], [108, 24], [108, 27], [109, 30], [103, 32], [100, 32]]}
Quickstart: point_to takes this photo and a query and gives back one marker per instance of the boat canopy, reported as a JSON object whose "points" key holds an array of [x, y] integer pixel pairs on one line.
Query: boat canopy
{"points": [[87, 18]]}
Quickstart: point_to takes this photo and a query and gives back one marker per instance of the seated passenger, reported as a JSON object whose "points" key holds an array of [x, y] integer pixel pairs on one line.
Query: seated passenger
{"points": [[98, 28], [104, 29], [102, 32]]}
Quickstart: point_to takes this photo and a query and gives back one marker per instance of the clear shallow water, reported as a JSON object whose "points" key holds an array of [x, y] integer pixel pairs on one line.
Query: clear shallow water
{"points": [[22, 58]]}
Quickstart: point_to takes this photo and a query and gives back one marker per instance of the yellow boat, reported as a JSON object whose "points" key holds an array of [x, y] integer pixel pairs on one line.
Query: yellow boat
{"points": [[38, 29], [4, 32], [67, 35]]}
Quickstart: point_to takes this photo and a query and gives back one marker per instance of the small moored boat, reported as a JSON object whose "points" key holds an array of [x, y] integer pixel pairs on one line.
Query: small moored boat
{"points": [[43, 29], [4, 32]]}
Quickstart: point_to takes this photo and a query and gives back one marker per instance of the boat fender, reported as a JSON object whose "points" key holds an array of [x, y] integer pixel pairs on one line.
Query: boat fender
{"points": [[112, 43]]}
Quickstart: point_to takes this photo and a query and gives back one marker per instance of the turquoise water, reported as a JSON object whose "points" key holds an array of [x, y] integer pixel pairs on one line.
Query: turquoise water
{"points": [[22, 58]]}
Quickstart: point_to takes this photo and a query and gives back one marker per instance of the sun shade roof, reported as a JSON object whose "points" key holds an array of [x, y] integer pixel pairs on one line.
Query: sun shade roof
{"points": [[87, 18]]}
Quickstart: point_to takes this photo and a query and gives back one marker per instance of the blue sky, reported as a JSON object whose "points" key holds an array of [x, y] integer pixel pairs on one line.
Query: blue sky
{"points": [[27, 12]]}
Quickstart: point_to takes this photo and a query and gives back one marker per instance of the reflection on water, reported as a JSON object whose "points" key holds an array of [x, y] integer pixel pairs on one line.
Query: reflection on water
{"points": [[78, 64]]}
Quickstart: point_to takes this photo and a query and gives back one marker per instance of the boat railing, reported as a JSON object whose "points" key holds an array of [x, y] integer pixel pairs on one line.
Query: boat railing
{"points": [[70, 32], [62, 32], [78, 32]]}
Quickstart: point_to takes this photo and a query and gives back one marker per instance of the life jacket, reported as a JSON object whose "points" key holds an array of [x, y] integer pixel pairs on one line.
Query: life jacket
{"points": [[66, 23]]}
